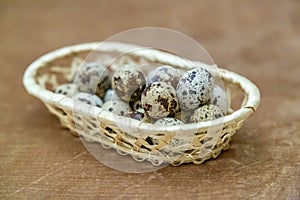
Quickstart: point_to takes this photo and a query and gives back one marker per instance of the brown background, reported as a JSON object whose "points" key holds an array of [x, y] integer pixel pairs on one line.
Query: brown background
{"points": [[259, 39]]}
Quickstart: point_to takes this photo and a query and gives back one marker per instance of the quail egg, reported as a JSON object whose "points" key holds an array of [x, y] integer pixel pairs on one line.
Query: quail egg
{"points": [[87, 98], [159, 100], [219, 98], [206, 113], [194, 88], [93, 78], [117, 107], [68, 89], [110, 95], [165, 74], [128, 83]]}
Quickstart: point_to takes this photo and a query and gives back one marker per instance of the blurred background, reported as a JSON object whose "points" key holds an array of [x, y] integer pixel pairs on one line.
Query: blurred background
{"points": [[259, 39], [240, 35]]}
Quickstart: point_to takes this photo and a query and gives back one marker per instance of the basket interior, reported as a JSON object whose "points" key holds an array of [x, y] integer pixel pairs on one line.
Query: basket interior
{"points": [[61, 70]]}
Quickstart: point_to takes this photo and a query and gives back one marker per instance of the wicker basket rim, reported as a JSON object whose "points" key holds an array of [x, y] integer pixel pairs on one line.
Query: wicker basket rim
{"points": [[47, 96]]}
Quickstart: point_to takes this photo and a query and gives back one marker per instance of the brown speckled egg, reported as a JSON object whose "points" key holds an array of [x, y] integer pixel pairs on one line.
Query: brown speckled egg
{"points": [[128, 83], [68, 89], [159, 100], [117, 107], [219, 98], [87, 98], [93, 78], [206, 113], [194, 88], [166, 74]]}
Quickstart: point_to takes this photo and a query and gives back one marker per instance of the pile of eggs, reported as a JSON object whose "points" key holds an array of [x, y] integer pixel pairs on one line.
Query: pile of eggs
{"points": [[166, 95]]}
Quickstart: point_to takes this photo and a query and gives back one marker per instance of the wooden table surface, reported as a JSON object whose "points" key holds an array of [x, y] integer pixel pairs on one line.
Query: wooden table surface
{"points": [[259, 39]]}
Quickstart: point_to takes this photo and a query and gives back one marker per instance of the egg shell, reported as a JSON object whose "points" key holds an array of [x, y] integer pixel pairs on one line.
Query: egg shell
{"points": [[166, 74], [128, 83], [87, 98], [219, 98], [68, 89], [206, 113], [117, 107], [110, 95], [93, 78], [194, 88], [159, 100]]}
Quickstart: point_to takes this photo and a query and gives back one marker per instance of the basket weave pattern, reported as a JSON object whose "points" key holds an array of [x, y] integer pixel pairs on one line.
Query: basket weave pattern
{"points": [[129, 136]]}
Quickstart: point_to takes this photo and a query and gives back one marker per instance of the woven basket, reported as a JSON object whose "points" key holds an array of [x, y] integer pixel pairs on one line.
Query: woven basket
{"points": [[129, 136]]}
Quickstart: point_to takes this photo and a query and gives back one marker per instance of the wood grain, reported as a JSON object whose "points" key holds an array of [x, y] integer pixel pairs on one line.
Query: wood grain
{"points": [[259, 39]]}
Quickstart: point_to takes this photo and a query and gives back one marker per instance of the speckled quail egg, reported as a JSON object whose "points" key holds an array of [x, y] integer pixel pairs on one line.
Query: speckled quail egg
{"points": [[159, 100], [68, 89], [194, 88], [117, 107], [93, 78], [219, 98], [166, 74], [110, 95], [128, 83], [206, 113], [90, 99]]}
